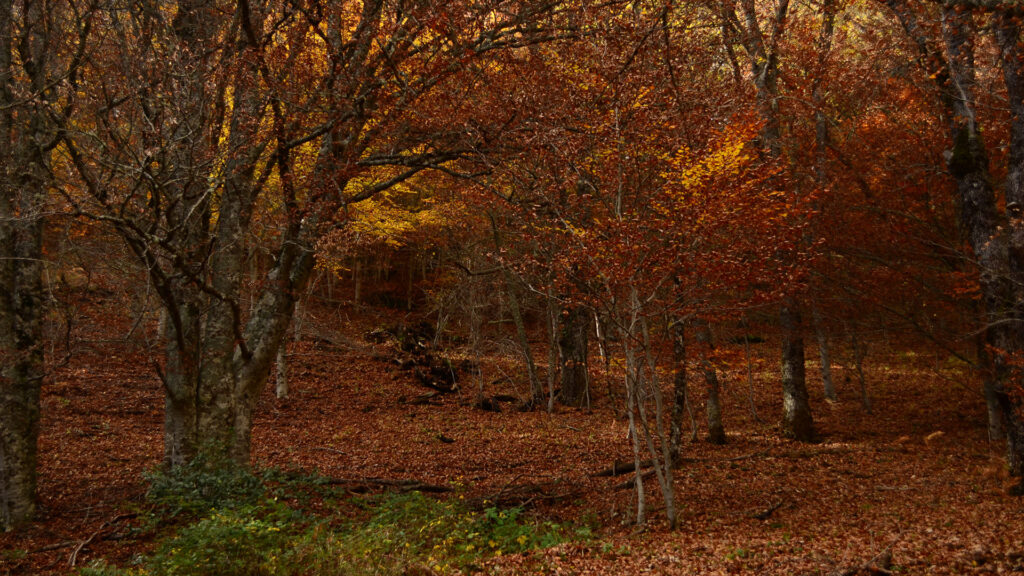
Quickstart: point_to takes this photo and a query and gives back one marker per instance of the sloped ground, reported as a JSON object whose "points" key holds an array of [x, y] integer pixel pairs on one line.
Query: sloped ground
{"points": [[916, 479]]}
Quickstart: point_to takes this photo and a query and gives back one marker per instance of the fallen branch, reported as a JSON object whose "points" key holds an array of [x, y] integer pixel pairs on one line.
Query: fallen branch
{"points": [[54, 546], [332, 450], [632, 481], [73, 558], [619, 468], [525, 494], [364, 484], [625, 467], [766, 513]]}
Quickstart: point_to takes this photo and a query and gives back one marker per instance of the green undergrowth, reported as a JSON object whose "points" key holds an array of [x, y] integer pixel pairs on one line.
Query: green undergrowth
{"points": [[212, 521]]}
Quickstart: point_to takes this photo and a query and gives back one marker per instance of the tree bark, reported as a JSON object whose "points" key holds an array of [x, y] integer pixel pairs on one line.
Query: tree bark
{"points": [[25, 145], [762, 47], [680, 400], [572, 347], [824, 354], [716, 430], [281, 376], [797, 422]]}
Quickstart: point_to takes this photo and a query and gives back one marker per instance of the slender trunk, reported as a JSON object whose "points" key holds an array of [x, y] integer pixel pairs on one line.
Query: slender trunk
{"points": [[411, 268], [989, 389], [860, 350], [716, 431], [552, 330], [572, 347], [824, 353], [745, 325], [536, 387], [680, 402], [797, 422], [299, 319], [281, 380], [663, 458], [633, 401], [357, 280], [631, 409]]}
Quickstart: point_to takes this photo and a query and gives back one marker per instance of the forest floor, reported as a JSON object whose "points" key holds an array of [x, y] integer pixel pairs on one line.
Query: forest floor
{"points": [[916, 479]]}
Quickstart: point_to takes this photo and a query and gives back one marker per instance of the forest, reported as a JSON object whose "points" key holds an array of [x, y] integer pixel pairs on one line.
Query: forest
{"points": [[422, 287]]}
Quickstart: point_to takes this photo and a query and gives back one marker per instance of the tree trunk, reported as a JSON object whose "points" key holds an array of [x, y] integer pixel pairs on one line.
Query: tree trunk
{"points": [[24, 182], [21, 346], [281, 380], [860, 351], [797, 422], [552, 330], [357, 281], [536, 386], [572, 347], [680, 401], [716, 431], [824, 354]]}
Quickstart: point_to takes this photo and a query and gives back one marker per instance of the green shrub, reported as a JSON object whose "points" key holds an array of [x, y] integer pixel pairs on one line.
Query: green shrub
{"points": [[410, 529], [234, 529], [243, 540], [202, 485]]}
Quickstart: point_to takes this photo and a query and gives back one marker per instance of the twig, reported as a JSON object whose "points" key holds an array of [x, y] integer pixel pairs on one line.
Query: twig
{"points": [[333, 450], [632, 481], [73, 558], [765, 514]]}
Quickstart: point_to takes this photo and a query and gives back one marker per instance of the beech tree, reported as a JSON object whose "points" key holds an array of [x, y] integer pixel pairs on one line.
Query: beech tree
{"points": [[204, 111], [945, 39], [41, 46], [760, 29]]}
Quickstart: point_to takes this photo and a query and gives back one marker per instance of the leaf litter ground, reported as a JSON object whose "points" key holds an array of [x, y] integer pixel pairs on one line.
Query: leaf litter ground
{"points": [[917, 479]]}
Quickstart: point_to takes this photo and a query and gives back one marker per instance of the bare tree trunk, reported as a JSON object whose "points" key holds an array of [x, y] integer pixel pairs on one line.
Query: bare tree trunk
{"points": [[762, 47], [661, 459], [989, 389], [797, 422], [745, 325], [552, 330], [22, 305], [281, 380], [860, 350], [680, 400], [357, 280], [25, 176], [716, 431], [572, 347], [632, 392], [823, 354], [536, 386]]}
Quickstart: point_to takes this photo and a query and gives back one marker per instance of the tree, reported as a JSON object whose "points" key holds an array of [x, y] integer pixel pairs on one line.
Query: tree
{"points": [[214, 109], [762, 44], [994, 234], [41, 46]]}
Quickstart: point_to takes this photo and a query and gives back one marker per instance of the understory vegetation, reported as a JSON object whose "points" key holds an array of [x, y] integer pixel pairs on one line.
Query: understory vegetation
{"points": [[222, 521]]}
